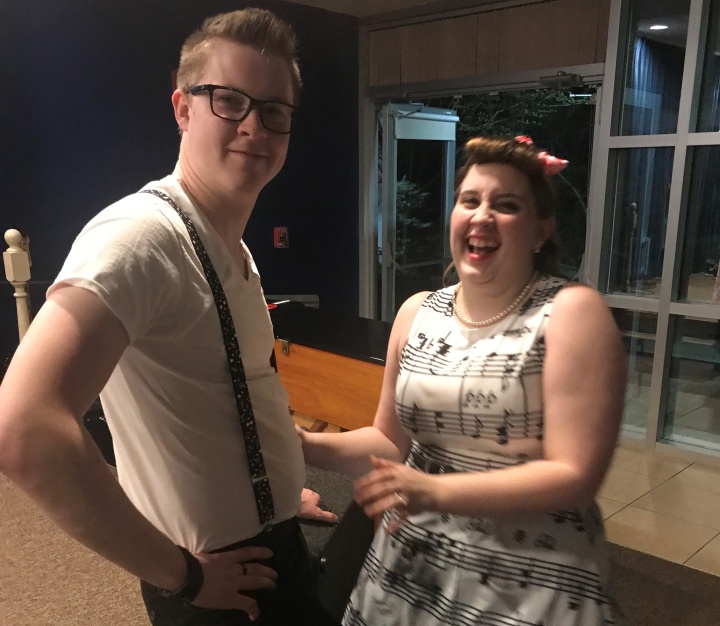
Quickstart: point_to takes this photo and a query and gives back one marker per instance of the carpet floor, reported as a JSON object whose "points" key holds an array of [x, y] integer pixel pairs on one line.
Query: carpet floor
{"points": [[46, 579]]}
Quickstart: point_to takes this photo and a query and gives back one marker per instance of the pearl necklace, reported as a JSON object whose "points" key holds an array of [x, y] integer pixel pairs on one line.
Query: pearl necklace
{"points": [[495, 318]]}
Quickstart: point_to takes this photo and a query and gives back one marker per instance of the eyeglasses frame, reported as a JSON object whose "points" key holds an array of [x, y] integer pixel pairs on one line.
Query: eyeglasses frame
{"points": [[255, 103]]}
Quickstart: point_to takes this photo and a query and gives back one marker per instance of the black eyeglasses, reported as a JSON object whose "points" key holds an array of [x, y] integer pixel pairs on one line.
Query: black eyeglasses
{"points": [[235, 105]]}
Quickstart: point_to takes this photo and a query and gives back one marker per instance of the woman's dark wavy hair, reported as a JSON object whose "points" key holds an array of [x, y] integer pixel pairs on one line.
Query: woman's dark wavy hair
{"points": [[525, 158]]}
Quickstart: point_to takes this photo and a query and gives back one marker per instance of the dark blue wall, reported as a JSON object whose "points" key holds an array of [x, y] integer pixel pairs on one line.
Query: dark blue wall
{"points": [[85, 118]]}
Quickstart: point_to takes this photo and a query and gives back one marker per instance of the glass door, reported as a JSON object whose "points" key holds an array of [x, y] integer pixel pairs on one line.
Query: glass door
{"points": [[416, 176]]}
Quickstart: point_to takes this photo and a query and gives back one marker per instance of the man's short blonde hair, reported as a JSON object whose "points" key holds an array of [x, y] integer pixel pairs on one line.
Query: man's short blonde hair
{"points": [[257, 28]]}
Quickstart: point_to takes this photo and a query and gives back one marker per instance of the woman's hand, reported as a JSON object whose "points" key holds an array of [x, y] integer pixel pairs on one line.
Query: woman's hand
{"points": [[396, 486], [300, 431], [311, 508]]}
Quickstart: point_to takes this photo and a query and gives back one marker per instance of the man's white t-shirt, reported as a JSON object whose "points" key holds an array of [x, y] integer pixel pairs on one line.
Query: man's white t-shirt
{"points": [[169, 402]]}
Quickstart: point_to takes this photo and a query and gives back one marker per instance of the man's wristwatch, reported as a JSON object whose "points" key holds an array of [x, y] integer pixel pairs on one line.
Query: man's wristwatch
{"points": [[194, 581]]}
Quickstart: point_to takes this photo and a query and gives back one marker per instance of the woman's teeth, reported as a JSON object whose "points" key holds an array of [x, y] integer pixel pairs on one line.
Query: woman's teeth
{"points": [[485, 248]]}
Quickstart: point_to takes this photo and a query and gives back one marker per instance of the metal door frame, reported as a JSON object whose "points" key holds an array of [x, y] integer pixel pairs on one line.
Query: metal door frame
{"points": [[410, 121]]}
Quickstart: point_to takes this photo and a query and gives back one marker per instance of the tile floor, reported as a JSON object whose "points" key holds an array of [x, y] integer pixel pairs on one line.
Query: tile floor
{"points": [[658, 505], [665, 507]]}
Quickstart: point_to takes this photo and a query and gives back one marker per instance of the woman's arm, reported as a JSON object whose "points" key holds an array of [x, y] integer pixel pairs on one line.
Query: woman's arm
{"points": [[583, 390], [349, 452]]}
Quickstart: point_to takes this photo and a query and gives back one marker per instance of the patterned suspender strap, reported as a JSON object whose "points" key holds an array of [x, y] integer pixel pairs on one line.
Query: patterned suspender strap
{"points": [[258, 474]]}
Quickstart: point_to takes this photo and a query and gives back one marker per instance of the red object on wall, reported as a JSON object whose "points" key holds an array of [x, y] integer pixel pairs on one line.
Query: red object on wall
{"points": [[280, 237]]}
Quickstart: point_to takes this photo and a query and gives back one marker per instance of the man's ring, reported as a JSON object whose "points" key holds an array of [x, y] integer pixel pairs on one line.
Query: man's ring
{"points": [[401, 498]]}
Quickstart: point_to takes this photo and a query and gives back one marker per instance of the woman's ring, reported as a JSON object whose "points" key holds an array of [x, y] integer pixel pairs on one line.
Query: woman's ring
{"points": [[401, 498]]}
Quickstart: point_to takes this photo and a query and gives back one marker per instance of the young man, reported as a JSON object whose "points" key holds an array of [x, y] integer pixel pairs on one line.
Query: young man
{"points": [[210, 472]]}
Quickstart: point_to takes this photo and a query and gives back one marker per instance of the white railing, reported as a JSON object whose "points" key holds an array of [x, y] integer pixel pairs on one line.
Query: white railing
{"points": [[17, 271]]}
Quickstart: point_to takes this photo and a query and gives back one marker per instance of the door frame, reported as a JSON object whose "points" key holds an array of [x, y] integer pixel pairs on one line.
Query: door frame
{"points": [[414, 122], [372, 99]]}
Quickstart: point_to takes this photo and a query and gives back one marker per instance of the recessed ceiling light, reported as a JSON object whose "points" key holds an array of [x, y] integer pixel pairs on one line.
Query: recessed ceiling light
{"points": [[659, 27]]}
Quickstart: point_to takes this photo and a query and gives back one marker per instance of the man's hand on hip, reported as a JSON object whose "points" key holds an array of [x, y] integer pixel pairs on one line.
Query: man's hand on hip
{"points": [[228, 575]]}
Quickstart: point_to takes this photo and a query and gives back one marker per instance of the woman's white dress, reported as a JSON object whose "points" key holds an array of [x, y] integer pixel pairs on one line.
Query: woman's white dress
{"points": [[471, 400]]}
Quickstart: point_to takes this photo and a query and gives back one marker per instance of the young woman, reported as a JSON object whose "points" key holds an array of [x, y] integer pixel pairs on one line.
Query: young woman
{"points": [[498, 417]]}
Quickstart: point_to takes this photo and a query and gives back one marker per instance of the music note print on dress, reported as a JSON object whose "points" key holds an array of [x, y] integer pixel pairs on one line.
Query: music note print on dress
{"points": [[545, 541], [410, 550], [525, 578], [439, 423], [509, 371], [478, 427], [526, 426], [479, 399], [438, 361], [414, 418], [502, 431], [573, 517], [444, 347], [479, 525], [476, 400]]}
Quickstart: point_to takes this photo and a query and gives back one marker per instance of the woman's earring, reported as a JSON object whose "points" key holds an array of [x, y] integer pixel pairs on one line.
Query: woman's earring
{"points": [[537, 250]]}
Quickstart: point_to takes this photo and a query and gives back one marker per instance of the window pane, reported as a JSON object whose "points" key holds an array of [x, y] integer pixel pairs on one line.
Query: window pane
{"points": [[653, 66], [420, 192], [709, 119], [637, 239], [638, 335], [420, 218], [692, 411], [701, 248]]}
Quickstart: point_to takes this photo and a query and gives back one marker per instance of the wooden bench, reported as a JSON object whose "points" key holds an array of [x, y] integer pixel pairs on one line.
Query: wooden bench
{"points": [[331, 364], [329, 388]]}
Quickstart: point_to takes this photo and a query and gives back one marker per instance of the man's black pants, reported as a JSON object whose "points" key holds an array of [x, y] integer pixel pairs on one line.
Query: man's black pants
{"points": [[293, 603]]}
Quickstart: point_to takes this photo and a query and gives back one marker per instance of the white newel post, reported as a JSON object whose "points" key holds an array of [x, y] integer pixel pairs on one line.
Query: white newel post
{"points": [[17, 271]]}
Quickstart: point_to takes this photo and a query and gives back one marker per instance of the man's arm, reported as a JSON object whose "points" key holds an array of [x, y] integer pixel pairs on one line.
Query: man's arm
{"points": [[58, 370]]}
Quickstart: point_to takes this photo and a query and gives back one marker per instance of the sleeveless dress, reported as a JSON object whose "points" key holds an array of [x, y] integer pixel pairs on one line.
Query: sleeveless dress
{"points": [[471, 400]]}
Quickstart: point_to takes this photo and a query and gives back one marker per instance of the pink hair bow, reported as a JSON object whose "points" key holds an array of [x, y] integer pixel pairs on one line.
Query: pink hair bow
{"points": [[552, 165]]}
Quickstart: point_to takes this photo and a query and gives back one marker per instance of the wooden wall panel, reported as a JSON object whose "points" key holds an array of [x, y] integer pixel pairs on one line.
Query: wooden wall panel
{"points": [[543, 35], [603, 21], [457, 47], [549, 34], [582, 27], [419, 44], [329, 387], [487, 49], [384, 57]]}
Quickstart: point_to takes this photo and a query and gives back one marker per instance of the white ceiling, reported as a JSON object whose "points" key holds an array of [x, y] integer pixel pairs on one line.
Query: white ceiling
{"points": [[364, 8]]}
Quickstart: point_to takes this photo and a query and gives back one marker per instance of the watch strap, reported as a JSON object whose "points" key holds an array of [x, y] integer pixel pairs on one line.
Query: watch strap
{"points": [[194, 580]]}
